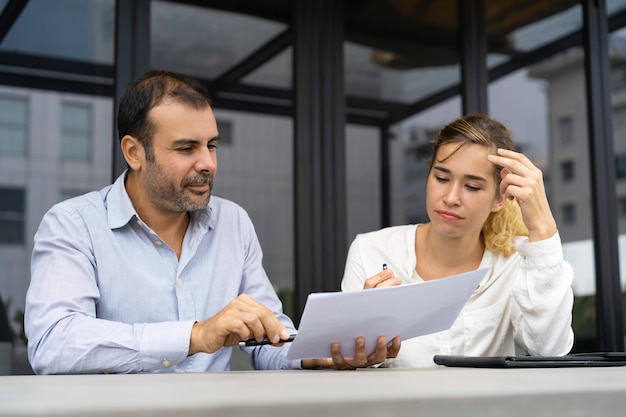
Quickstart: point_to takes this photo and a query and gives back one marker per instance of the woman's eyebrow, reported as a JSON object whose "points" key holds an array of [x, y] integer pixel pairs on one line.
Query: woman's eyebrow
{"points": [[468, 176]]}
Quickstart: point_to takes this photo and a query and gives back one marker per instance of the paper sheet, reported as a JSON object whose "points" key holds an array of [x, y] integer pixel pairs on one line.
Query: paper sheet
{"points": [[408, 310]]}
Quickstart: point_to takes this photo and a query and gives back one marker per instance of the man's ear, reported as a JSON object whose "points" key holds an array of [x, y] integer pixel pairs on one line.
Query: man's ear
{"points": [[133, 152], [499, 203]]}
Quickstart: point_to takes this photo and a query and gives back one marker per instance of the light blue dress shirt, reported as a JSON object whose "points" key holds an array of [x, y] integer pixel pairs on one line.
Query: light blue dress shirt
{"points": [[108, 295]]}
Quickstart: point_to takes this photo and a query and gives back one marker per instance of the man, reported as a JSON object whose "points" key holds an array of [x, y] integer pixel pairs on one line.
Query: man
{"points": [[152, 273]]}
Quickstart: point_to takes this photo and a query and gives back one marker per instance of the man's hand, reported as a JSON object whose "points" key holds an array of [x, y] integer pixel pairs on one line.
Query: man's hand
{"points": [[242, 319], [361, 359]]}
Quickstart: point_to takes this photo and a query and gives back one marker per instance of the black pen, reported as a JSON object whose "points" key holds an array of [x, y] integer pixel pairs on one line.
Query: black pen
{"points": [[265, 341], [384, 266]]}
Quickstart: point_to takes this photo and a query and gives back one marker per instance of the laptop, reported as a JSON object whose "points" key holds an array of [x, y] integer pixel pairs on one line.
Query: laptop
{"points": [[566, 361]]}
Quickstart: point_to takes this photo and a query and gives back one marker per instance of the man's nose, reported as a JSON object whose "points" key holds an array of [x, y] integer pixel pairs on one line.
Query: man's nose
{"points": [[206, 160]]}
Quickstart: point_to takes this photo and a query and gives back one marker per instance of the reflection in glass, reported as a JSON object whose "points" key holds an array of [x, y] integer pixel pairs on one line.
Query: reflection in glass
{"points": [[366, 77], [554, 26], [75, 131], [64, 143], [545, 105], [617, 54], [70, 29], [400, 50], [411, 154], [204, 42], [275, 73], [13, 124]]}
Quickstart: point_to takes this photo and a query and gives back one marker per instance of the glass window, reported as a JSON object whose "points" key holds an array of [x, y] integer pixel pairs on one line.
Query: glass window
{"points": [[411, 152], [617, 52], [42, 177], [539, 23], [75, 131], [620, 166], [566, 129], [569, 214], [391, 52], [621, 205], [567, 171], [206, 42], [12, 204], [225, 128], [13, 124], [548, 111], [69, 29]]}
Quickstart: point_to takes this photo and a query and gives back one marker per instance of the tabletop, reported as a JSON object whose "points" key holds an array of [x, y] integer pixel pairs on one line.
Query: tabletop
{"points": [[369, 392]]}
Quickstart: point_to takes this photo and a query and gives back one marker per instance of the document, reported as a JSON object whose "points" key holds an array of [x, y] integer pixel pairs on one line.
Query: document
{"points": [[408, 310]]}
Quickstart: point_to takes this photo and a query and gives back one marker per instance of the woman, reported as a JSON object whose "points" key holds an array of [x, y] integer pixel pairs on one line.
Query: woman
{"points": [[487, 208]]}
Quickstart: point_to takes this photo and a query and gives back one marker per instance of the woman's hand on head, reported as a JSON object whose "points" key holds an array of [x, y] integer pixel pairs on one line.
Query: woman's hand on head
{"points": [[523, 181], [384, 278]]}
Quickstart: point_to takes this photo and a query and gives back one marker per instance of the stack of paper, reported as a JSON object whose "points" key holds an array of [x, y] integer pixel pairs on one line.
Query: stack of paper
{"points": [[407, 311]]}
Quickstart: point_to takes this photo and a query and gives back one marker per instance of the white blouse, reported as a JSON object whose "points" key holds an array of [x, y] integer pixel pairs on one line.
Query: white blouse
{"points": [[525, 299]]}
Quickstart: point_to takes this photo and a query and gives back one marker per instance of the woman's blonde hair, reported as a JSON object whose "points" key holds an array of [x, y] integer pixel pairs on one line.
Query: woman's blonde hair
{"points": [[501, 226]]}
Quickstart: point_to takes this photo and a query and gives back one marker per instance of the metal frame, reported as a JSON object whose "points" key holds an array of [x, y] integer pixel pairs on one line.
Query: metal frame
{"points": [[319, 148], [473, 46], [610, 322], [132, 56]]}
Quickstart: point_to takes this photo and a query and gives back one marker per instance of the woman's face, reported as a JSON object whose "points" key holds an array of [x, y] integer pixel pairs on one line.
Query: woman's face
{"points": [[461, 190]]}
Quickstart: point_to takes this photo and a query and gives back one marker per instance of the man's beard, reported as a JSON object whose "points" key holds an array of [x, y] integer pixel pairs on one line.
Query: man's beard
{"points": [[168, 196]]}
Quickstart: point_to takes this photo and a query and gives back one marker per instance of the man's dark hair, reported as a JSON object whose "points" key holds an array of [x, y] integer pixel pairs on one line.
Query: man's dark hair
{"points": [[149, 91]]}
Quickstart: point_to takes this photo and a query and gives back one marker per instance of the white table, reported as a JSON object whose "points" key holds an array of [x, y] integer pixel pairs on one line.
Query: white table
{"points": [[371, 392]]}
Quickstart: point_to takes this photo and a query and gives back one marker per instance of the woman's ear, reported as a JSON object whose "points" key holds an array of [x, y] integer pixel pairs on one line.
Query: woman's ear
{"points": [[499, 203], [132, 151]]}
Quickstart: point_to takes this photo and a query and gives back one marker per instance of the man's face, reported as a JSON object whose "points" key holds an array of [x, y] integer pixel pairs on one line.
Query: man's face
{"points": [[184, 144]]}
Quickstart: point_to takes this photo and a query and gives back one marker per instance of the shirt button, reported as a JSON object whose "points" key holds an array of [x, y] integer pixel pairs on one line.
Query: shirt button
{"points": [[158, 242], [140, 223], [166, 363], [179, 281]]}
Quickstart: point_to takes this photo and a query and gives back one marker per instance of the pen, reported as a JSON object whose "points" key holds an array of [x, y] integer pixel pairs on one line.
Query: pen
{"points": [[384, 266], [265, 341]]}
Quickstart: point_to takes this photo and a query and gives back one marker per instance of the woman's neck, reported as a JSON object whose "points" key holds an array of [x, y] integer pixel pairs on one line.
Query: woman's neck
{"points": [[439, 256]]}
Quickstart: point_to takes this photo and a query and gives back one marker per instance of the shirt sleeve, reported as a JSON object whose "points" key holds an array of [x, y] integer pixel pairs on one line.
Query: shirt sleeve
{"points": [[544, 296], [256, 284], [354, 274], [64, 333]]}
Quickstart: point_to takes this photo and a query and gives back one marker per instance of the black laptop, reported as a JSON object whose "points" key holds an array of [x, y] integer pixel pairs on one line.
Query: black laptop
{"points": [[566, 361]]}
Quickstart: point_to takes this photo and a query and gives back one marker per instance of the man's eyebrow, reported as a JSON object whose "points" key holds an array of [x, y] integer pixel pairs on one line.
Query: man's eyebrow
{"points": [[185, 141], [189, 141], [468, 176]]}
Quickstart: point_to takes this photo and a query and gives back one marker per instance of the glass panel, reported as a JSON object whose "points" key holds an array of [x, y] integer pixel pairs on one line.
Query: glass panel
{"points": [[614, 7], [71, 29], [549, 120], [42, 177], [617, 51], [411, 161], [204, 42], [75, 131], [363, 180], [12, 216], [13, 124], [275, 73], [401, 51], [255, 170], [535, 25]]}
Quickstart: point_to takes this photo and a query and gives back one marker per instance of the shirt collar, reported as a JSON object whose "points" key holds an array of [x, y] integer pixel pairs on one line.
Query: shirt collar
{"points": [[120, 209]]}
